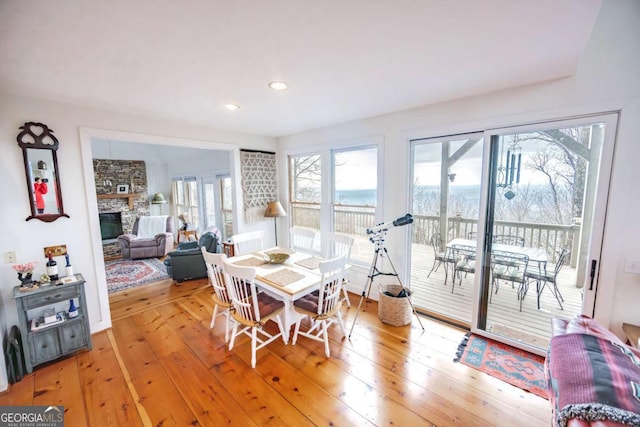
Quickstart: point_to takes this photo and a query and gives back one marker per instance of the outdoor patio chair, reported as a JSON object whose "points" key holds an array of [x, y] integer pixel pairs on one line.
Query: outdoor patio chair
{"points": [[464, 262], [507, 239], [251, 310], [337, 245], [441, 256], [542, 277], [510, 267], [323, 308]]}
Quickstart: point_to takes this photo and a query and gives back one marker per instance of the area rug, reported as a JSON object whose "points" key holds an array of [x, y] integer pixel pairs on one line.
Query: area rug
{"points": [[123, 274], [512, 365]]}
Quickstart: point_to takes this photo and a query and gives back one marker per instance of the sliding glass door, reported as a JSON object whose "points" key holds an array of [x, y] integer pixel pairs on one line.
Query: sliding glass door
{"points": [[446, 176], [543, 224], [508, 225]]}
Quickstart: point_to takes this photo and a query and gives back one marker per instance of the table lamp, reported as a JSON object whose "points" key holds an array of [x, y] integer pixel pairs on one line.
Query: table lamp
{"points": [[275, 210], [158, 199]]}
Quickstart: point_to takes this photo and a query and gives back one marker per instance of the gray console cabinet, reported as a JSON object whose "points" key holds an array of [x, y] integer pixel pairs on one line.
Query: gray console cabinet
{"points": [[57, 340]]}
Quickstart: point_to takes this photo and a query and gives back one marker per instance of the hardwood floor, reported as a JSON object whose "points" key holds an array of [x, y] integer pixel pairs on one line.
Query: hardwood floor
{"points": [[160, 364]]}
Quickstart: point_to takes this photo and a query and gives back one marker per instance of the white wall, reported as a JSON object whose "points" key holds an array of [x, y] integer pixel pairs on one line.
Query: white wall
{"points": [[608, 78], [80, 232]]}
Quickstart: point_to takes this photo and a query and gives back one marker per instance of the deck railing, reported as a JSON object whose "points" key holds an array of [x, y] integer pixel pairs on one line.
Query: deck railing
{"points": [[349, 220]]}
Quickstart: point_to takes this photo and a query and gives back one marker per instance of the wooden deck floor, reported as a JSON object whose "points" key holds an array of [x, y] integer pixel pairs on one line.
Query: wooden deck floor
{"points": [[532, 326]]}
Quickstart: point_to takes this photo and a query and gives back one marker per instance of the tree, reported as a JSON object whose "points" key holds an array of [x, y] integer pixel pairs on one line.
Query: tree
{"points": [[565, 173], [305, 178]]}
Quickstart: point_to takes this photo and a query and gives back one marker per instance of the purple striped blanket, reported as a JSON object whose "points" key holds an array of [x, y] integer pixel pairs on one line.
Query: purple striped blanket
{"points": [[593, 379]]}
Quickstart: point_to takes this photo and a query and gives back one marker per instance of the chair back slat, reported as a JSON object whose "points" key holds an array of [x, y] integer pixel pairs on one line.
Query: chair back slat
{"points": [[561, 260], [508, 239], [215, 271], [338, 244], [331, 285], [509, 266], [242, 290], [246, 243], [465, 258], [436, 242], [302, 239]]}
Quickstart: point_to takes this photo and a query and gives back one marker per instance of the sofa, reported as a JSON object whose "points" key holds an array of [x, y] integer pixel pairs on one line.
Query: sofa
{"points": [[187, 262], [143, 243], [593, 377]]}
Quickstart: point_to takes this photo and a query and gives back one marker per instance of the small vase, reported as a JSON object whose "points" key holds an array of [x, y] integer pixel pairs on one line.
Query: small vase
{"points": [[26, 279]]}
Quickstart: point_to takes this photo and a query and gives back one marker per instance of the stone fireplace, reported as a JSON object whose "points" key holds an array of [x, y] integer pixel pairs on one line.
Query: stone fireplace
{"points": [[111, 174]]}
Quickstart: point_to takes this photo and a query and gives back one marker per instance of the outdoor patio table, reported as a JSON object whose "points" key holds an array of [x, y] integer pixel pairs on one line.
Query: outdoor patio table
{"points": [[535, 254]]}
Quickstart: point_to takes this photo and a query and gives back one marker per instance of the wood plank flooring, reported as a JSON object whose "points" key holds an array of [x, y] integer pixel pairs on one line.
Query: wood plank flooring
{"points": [[160, 364]]}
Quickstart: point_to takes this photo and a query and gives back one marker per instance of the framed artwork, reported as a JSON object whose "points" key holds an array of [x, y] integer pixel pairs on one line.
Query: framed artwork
{"points": [[122, 189]]}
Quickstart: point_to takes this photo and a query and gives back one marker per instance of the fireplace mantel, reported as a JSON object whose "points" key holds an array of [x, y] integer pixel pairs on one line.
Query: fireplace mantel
{"points": [[129, 196]]}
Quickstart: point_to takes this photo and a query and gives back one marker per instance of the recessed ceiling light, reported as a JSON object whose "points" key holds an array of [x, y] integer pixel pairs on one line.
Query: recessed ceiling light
{"points": [[278, 85], [232, 107]]}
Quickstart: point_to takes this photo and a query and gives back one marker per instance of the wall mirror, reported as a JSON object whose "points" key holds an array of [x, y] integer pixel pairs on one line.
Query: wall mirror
{"points": [[39, 147]]}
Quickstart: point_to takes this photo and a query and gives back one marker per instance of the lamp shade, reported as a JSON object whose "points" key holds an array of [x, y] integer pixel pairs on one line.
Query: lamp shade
{"points": [[274, 209], [158, 199]]}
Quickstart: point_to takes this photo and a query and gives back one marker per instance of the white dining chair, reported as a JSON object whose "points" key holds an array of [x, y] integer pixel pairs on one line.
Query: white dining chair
{"points": [[337, 245], [246, 243], [302, 239], [251, 310], [323, 307], [220, 296]]}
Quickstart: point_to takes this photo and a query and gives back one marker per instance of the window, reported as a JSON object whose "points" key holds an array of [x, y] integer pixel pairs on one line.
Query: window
{"points": [[185, 193], [355, 195], [305, 173]]}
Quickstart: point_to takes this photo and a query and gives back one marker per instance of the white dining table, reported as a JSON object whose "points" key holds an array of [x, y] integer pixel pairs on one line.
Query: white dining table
{"points": [[299, 264]]}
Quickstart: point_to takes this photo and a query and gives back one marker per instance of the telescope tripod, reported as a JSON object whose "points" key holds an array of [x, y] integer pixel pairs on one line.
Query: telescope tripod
{"points": [[375, 271]]}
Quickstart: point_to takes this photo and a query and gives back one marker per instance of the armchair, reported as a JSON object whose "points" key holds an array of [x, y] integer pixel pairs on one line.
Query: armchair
{"points": [[187, 262], [140, 245]]}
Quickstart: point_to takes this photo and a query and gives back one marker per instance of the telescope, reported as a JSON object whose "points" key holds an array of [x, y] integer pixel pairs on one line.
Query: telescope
{"points": [[398, 222]]}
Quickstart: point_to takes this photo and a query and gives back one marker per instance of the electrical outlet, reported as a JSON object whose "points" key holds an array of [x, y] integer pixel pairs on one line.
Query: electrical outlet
{"points": [[10, 257], [58, 250]]}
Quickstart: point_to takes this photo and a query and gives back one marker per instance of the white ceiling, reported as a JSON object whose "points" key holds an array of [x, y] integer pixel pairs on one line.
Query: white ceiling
{"points": [[343, 60]]}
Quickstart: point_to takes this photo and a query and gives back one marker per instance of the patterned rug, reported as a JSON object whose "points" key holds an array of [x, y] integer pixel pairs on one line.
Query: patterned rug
{"points": [[517, 367], [123, 274]]}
